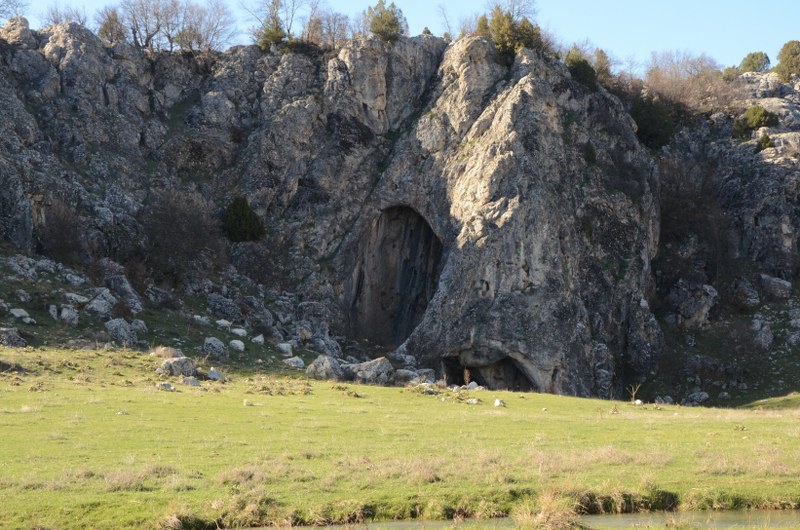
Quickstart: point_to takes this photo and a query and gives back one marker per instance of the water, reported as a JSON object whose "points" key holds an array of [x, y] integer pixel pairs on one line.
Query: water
{"points": [[700, 520]]}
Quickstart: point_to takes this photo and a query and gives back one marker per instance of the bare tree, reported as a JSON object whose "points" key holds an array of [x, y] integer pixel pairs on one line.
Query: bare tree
{"points": [[444, 17], [205, 28], [694, 81], [12, 8], [63, 15], [143, 19], [518, 9], [171, 15]]}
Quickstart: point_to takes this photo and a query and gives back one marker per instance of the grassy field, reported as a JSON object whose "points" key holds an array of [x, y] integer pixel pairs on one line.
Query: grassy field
{"points": [[88, 442]]}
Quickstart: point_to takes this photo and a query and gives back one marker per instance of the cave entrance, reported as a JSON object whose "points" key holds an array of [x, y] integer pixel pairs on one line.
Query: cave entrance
{"points": [[395, 277], [502, 375]]}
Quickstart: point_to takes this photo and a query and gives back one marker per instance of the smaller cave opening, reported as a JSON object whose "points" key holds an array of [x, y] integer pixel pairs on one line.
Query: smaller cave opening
{"points": [[501, 375]]}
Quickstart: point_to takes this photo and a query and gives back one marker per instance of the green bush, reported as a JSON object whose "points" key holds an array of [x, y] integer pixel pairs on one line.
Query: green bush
{"points": [[510, 35], [241, 223], [386, 22], [755, 62], [789, 60], [764, 142], [580, 69], [754, 118], [654, 121], [271, 33]]}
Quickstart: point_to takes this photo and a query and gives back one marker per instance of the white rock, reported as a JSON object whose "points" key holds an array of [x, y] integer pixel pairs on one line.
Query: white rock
{"points": [[18, 312], [499, 403], [29, 321], [53, 311], [77, 299], [285, 348], [215, 348], [472, 385], [225, 324], [200, 320], [258, 339], [236, 345], [69, 315], [166, 387], [295, 362], [239, 332]]}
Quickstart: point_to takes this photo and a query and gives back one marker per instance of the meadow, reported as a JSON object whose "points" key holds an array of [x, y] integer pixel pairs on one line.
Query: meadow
{"points": [[89, 442]]}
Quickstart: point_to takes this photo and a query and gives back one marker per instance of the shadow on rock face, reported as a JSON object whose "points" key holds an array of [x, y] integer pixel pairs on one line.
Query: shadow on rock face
{"points": [[394, 278]]}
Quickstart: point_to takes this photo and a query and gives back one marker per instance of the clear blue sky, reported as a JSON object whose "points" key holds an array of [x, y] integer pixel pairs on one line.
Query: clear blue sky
{"points": [[724, 29]]}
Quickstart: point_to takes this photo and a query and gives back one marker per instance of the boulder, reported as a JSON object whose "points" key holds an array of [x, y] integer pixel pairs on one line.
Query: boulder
{"points": [[69, 315], [236, 345], [215, 348], [692, 303], [17, 31], [191, 381], [285, 348], [294, 362], [178, 366], [166, 387], [162, 299], [222, 307], [19, 313], [695, 399], [763, 336], [427, 375], [121, 331], [375, 372], [325, 367], [215, 375], [102, 304], [139, 327], [239, 332], [258, 339], [11, 338], [403, 377], [775, 287], [76, 299], [745, 295]]}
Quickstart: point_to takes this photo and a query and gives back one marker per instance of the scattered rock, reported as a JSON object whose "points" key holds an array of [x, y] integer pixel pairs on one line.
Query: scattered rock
{"points": [[69, 315], [215, 348], [775, 287], [22, 296], [745, 294], [139, 327], [222, 323], [215, 375], [325, 367], [239, 332], [11, 338], [29, 321], [166, 387], [191, 381], [294, 362], [663, 400], [472, 385], [102, 304], [199, 320], [162, 299], [178, 366], [692, 303], [763, 337], [427, 375], [285, 348], [724, 395], [403, 377], [224, 308], [499, 403], [473, 401], [18, 312], [695, 399], [122, 288], [376, 372], [76, 299], [236, 345], [121, 331], [258, 339]]}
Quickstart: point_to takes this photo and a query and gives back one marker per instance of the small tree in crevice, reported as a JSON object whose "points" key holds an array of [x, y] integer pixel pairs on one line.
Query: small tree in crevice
{"points": [[60, 234], [241, 223]]}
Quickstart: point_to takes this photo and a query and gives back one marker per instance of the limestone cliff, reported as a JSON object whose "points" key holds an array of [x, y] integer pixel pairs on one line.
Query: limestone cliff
{"points": [[438, 202]]}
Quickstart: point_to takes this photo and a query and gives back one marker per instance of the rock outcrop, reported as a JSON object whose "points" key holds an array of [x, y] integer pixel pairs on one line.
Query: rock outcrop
{"points": [[431, 199]]}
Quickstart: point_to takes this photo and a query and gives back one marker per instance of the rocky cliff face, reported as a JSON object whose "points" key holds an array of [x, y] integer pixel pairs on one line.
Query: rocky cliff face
{"points": [[459, 212]]}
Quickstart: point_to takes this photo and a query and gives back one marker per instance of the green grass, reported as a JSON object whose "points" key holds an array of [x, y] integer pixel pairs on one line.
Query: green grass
{"points": [[89, 443]]}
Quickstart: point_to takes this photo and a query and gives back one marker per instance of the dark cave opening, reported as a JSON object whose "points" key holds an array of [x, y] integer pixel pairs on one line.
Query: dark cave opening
{"points": [[394, 278], [502, 375]]}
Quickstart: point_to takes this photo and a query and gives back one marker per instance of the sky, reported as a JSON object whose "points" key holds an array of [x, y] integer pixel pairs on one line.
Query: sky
{"points": [[628, 30]]}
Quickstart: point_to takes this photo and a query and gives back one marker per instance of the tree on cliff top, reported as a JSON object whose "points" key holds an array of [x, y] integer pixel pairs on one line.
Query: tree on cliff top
{"points": [[12, 8], [789, 60], [755, 62], [386, 22]]}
